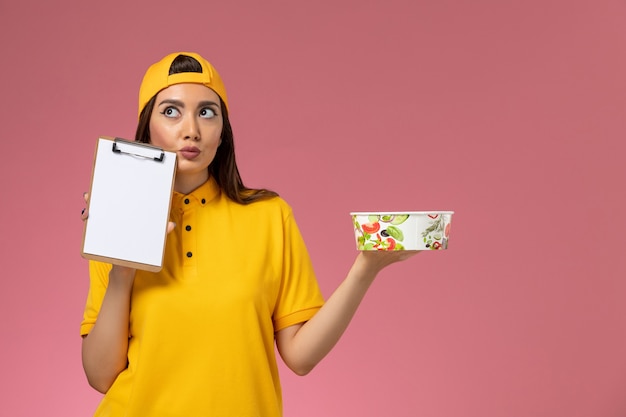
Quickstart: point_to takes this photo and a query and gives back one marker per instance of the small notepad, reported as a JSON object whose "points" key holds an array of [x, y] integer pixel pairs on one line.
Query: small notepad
{"points": [[129, 202]]}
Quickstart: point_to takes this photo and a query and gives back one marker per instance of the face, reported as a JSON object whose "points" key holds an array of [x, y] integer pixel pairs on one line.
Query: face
{"points": [[187, 119]]}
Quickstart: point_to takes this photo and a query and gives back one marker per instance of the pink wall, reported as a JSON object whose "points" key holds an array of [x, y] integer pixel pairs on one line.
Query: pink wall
{"points": [[511, 113]]}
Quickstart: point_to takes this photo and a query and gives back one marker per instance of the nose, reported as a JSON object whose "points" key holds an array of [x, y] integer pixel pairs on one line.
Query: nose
{"points": [[190, 128]]}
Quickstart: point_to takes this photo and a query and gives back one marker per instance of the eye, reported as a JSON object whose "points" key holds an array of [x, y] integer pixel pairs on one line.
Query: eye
{"points": [[170, 112], [207, 113]]}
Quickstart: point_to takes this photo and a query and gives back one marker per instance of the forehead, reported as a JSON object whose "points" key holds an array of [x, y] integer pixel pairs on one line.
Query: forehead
{"points": [[187, 92]]}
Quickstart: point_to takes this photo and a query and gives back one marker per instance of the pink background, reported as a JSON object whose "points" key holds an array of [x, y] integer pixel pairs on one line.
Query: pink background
{"points": [[510, 112]]}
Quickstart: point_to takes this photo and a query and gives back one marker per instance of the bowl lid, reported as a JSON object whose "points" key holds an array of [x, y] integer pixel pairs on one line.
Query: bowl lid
{"points": [[396, 213]]}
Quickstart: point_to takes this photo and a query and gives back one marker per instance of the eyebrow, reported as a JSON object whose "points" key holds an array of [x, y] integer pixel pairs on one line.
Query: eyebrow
{"points": [[181, 104]]}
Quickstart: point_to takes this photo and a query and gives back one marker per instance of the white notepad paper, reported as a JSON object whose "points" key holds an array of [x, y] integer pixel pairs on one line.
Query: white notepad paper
{"points": [[129, 203]]}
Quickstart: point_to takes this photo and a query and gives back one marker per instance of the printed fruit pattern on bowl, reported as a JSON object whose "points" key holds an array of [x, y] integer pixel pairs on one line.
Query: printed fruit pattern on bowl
{"points": [[435, 236], [381, 233]]}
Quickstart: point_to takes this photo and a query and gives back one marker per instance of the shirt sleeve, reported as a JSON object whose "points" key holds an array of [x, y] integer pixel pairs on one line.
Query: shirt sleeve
{"points": [[98, 281], [300, 296]]}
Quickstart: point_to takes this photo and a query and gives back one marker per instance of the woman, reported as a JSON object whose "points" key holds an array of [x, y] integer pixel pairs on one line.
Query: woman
{"points": [[197, 338]]}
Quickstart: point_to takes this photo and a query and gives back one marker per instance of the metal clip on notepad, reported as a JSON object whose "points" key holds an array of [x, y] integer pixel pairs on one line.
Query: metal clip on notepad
{"points": [[138, 149]]}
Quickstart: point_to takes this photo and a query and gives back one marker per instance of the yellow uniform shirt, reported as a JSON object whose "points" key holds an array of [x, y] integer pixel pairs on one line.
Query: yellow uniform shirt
{"points": [[202, 329]]}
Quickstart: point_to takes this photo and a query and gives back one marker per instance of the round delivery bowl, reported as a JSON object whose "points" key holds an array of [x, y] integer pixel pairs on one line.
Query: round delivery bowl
{"points": [[402, 230]]}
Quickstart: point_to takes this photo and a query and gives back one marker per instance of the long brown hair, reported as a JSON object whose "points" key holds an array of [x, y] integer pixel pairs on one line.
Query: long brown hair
{"points": [[224, 166]]}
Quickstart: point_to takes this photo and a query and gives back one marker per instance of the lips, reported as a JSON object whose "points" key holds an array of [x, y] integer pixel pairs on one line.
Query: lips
{"points": [[189, 152]]}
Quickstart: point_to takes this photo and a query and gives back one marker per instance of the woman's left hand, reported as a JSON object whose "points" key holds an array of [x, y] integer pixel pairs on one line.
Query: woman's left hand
{"points": [[377, 260], [303, 345]]}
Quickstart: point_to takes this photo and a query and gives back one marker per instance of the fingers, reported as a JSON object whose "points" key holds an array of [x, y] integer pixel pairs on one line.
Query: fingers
{"points": [[406, 254], [170, 226], [84, 214], [381, 259]]}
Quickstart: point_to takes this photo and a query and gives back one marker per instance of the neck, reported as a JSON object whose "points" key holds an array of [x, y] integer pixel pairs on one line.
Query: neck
{"points": [[185, 184]]}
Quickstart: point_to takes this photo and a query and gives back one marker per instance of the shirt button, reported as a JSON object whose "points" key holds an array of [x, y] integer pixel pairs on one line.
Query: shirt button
{"points": [[188, 228], [189, 254], [186, 201], [203, 201]]}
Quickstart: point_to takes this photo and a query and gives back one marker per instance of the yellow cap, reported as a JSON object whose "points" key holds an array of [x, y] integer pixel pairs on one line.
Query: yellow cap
{"points": [[157, 78]]}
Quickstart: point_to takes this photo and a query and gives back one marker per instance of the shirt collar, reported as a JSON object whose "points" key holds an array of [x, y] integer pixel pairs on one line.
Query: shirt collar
{"points": [[200, 196]]}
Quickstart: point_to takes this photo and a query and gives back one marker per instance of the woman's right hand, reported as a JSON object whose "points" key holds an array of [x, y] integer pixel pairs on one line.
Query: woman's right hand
{"points": [[105, 348]]}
